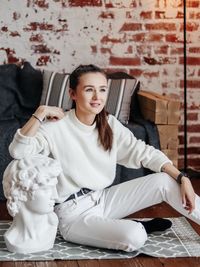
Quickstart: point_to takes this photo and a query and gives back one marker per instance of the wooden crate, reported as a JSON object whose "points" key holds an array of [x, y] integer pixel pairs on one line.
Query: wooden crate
{"points": [[158, 108], [164, 112], [172, 154], [168, 135]]}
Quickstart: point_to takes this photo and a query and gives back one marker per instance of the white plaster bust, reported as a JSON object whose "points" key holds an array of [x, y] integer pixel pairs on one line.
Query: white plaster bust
{"points": [[30, 188]]}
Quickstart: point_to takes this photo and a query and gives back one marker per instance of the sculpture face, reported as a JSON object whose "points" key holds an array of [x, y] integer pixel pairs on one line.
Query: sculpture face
{"points": [[43, 200]]}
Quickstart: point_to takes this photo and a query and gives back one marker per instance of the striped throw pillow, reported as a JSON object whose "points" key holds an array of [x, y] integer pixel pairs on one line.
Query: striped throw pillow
{"points": [[56, 93], [56, 90], [119, 97]]}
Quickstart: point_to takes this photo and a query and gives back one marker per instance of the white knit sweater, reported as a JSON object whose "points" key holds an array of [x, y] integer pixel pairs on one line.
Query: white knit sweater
{"points": [[84, 162]]}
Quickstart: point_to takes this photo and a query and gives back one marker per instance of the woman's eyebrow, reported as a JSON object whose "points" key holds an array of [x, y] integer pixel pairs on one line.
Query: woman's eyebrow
{"points": [[104, 87], [88, 86], [101, 86]]}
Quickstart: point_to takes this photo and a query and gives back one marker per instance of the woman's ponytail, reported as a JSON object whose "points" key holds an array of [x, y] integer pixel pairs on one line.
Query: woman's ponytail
{"points": [[104, 130]]}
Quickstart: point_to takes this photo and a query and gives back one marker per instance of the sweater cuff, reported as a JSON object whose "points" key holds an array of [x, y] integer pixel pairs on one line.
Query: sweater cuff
{"points": [[22, 138], [157, 163], [167, 161]]}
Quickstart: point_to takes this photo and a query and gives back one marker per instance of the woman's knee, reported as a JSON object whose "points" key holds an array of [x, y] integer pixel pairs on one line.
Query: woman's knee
{"points": [[134, 237], [163, 180], [164, 184]]}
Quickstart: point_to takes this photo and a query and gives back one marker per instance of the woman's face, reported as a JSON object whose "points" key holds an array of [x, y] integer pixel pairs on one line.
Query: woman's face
{"points": [[43, 200], [90, 96]]}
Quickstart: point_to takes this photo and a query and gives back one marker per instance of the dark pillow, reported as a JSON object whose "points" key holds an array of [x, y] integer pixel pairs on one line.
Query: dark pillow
{"points": [[8, 91], [7, 131], [30, 90]]}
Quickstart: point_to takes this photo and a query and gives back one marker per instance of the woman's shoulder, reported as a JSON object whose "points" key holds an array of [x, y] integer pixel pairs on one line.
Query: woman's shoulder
{"points": [[114, 122], [118, 127]]}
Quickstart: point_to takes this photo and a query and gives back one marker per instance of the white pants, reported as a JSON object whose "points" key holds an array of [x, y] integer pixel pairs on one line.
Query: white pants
{"points": [[95, 219]]}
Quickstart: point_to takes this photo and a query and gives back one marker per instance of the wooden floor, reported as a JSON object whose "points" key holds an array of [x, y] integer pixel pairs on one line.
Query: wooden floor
{"points": [[161, 210]]}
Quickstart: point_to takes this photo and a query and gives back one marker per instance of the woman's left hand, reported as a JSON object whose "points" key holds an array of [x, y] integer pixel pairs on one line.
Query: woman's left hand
{"points": [[187, 194]]}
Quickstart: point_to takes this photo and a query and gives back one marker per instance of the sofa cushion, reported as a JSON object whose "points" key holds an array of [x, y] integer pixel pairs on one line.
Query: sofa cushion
{"points": [[121, 88], [8, 91]]}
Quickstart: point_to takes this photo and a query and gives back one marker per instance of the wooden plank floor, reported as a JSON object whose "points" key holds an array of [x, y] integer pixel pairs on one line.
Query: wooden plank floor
{"points": [[161, 210]]}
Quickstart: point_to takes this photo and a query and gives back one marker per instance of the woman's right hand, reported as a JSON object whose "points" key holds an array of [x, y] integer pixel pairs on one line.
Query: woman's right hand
{"points": [[42, 112], [51, 113]]}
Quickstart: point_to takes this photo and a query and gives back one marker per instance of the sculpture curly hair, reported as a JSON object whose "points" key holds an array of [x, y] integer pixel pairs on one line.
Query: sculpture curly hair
{"points": [[23, 177]]}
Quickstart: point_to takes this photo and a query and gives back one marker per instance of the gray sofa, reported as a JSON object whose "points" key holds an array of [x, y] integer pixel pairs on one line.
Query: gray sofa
{"points": [[20, 94]]}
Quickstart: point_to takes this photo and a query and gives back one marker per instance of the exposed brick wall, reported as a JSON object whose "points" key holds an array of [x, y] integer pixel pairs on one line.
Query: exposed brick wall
{"points": [[143, 38], [193, 83]]}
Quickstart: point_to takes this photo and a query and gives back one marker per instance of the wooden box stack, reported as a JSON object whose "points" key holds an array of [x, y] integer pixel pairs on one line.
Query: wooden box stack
{"points": [[164, 112]]}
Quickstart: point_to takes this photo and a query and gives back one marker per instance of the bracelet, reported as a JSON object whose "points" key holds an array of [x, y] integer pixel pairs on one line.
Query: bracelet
{"points": [[37, 118], [179, 177]]}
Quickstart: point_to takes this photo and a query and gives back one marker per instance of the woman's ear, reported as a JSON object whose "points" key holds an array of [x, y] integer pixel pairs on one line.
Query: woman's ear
{"points": [[72, 94]]}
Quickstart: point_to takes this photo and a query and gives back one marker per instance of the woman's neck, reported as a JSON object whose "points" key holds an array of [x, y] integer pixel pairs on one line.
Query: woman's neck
{"points": [[87, 119]]}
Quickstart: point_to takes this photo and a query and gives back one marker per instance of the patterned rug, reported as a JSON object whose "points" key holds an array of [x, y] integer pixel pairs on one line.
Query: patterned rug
{"points": [[179, 241]]}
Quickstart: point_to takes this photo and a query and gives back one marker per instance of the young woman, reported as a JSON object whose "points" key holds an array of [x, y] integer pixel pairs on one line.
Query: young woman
{"points": [[88, 143]]}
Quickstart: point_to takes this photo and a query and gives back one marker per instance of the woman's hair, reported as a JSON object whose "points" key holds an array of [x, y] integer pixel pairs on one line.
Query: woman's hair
{"points": [[104, 130]]}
